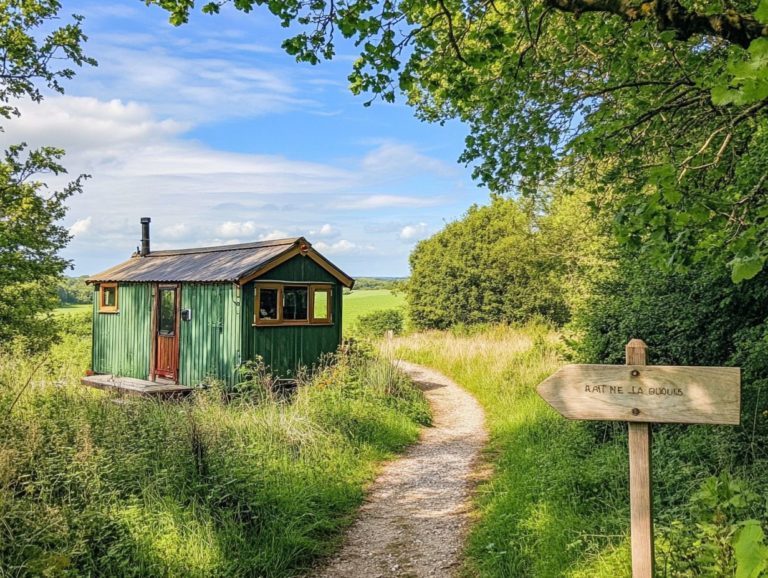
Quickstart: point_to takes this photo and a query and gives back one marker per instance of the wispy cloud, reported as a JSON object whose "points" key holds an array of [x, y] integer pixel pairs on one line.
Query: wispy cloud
{"points": [[386, 201], [190, 84], [392, 158], [342, 247], [215, 133], [197, 195]]}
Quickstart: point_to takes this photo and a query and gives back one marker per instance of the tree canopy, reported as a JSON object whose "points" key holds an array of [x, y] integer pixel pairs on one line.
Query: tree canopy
{"points": [[662, 102], [32, 52], [507, 261]]}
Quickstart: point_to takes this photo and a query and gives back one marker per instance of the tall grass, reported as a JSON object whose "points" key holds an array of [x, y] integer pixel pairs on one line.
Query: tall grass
{"points": [[556, 496], [93, 485], [557, 502]]}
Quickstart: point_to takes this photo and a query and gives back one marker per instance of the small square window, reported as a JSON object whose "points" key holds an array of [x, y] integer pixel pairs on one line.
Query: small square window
{"points": [[108, 298]]}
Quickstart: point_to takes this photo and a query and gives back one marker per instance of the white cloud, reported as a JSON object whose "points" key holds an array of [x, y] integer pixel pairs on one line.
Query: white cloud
{"points": [[88, 126], [414, 232], [232, 229], [190, 82], [340, 246], [124, 147], [325, 232], [272, 235], [175, 232], [80, 226]]}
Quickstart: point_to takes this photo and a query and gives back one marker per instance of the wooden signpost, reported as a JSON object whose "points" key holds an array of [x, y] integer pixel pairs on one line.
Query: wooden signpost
{"points": [[643, 394]]}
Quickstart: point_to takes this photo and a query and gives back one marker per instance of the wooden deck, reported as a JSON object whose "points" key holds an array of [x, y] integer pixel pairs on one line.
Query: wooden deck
{"points": [[132, 386]]}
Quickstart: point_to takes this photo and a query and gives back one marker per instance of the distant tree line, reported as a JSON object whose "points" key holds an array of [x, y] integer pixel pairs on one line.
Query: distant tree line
{"points": [[73, 290], [366, 283]]}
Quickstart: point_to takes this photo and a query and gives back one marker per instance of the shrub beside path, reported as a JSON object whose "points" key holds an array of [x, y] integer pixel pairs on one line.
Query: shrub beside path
{"points": [[417, 512]]}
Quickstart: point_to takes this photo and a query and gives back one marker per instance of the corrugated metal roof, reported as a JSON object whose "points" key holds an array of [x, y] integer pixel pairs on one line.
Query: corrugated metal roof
{"points": [[204, 264]]}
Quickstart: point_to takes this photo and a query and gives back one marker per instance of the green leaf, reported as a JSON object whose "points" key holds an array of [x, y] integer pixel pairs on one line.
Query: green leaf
{"points": [[744, 268], [761, 13], [672, 195], [668, 36], [759, 47], [750, 550], [722, 95]]}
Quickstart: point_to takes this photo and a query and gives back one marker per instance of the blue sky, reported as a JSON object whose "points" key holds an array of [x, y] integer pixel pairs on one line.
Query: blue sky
{"points": [[219, 137]]}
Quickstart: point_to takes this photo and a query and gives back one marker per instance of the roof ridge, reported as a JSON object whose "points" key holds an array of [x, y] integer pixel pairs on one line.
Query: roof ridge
{"points": [[224, 248]]}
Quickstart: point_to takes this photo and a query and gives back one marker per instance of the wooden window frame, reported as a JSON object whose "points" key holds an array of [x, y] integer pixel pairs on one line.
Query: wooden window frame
{"points": [[257, 299], [280, 322], [109, 308], [328, 319]]}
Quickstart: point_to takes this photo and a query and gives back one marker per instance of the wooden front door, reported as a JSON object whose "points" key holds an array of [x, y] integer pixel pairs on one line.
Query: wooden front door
{"points": [[166, 356]]}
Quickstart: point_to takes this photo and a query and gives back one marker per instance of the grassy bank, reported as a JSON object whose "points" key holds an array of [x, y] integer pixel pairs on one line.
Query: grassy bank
{"points": [[252, 487], [557, 502]]}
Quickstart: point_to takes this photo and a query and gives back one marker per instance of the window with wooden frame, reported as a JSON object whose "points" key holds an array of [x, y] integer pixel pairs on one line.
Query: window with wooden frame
{"points": [[292, 304], [267, 304], [108, 298], [320, 303]]}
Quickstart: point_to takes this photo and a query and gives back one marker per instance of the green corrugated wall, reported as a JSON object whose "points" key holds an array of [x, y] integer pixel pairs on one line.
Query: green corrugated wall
{"points": [[121, 343], [210, 341], [286, 348]]}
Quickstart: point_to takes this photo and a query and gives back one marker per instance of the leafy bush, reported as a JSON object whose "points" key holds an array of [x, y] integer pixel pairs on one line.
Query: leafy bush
{"points": [[255, 383], [698, 317], [367, 283], [377, 323], [716, 542], [504, 262], [78, 324], [685, 318]]}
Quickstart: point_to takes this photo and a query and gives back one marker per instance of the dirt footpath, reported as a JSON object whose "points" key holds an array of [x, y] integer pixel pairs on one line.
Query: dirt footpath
{"points": [[415, 519]]}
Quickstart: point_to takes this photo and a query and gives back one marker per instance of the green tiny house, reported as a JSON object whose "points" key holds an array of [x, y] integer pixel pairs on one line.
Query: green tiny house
{"points": [[186, 316]]}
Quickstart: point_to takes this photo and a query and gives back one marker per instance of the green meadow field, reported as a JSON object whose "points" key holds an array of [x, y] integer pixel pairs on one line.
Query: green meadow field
{"points": [[362, 302], [73, 308]]}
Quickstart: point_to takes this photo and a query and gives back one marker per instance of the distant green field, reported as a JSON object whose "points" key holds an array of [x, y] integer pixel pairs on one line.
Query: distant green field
{"points": [[361, 302], [69, 309]]}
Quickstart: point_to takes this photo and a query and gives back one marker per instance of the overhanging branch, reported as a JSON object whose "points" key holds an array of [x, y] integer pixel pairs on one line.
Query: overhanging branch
{"points": [[732, 26]]}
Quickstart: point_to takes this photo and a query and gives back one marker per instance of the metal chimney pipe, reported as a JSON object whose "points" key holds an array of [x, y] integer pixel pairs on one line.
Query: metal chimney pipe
{"points": [[144, 236]]}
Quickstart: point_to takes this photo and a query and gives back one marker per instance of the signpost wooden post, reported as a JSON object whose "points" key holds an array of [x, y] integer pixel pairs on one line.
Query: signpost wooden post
{"points": [[643, 394], [640, 486]]}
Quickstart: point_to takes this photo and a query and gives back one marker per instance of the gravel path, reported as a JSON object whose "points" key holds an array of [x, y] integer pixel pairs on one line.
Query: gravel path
{"points": [[417, 512]]}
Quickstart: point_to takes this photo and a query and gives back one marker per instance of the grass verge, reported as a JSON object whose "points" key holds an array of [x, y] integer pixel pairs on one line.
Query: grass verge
{"points": [[557, 504], [556, 497], [90, 486]]}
